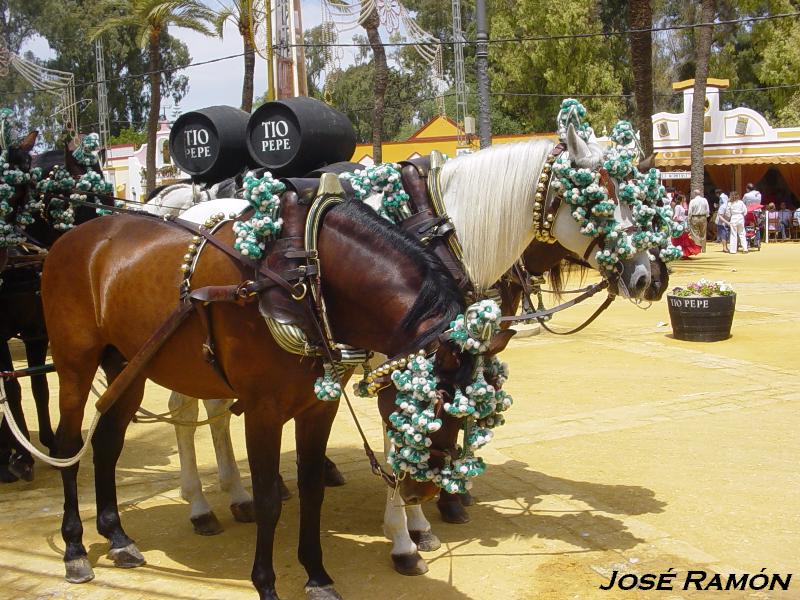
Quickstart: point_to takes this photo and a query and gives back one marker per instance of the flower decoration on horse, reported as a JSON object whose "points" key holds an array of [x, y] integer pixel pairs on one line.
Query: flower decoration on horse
{"points": [[419, 402], [594, 208]]}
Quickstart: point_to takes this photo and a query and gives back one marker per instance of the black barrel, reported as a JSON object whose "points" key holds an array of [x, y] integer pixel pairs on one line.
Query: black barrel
{"points": [[209, 144], [294, 136], [700, 319]]}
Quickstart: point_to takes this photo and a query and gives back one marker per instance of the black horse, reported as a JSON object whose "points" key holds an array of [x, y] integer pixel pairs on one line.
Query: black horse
{"points": [[21, 313]]}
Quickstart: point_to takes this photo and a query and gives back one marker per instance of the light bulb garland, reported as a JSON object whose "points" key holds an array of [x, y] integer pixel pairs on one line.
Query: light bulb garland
{"points": [[593, 208], [265, 224], [382, 179]]}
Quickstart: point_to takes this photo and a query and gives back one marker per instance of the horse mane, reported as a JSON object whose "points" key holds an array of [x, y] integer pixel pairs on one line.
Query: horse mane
{"points": [[158, 189], [558, 273], [489, 196], [439, 295], [47, 160]]}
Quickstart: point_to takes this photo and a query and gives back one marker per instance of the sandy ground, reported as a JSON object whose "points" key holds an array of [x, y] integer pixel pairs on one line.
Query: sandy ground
{"points": [[625, 450]]}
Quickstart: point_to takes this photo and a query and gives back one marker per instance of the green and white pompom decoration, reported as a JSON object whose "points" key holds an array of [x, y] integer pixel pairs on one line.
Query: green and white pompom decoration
{"points": [[93, 183], [479, 403], [86, 152], [473, 330], [383, 180], [327, 388], [573, 112], [263, 194], [10, 178]]}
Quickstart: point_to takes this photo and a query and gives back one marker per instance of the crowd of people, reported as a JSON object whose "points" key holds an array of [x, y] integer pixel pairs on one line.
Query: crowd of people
{"points": [[738, 221]]}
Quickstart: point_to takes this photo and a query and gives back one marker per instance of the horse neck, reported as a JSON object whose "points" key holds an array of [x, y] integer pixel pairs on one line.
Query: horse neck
{"points": [[489, 196], [371, 285]]}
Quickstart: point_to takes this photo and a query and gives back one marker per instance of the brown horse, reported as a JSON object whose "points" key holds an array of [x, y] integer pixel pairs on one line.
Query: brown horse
{"points": [[120, 274]]}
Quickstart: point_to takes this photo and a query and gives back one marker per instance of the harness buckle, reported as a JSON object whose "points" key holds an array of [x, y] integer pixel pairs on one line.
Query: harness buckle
{"points": [[304, 290], [244, 291]]}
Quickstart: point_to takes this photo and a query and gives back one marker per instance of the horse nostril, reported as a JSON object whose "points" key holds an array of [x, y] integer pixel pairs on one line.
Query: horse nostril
{"points": [[641, 283]]}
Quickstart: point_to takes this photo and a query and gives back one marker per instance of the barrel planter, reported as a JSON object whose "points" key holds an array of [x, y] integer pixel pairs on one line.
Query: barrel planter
{"points": [[700, 318], [209, 143], [294, 136]]}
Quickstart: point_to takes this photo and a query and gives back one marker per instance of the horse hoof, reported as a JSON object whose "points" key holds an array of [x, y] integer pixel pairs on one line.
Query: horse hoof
{"points": [[333, 476], [453, 512], [6, 476], [79, 570], [21, 468], [324, 592], [128, 557], [244, 512], [207, 524], [286, 493], [409, 564], [466, 499], [426, 541]]}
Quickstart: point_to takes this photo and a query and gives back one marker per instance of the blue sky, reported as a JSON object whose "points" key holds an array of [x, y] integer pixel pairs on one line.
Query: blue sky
{"points": [[217, 83]]}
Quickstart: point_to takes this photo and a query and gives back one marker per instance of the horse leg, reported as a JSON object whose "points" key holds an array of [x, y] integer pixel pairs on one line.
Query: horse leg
{"points": [[312, 430], [75, 376], [229, 479], [6, 446], [452, 509], [107, 443], [333, 476], [36, 353], [263, 435], [405, 557], [419, 528], [204, 521], [20, 461]]}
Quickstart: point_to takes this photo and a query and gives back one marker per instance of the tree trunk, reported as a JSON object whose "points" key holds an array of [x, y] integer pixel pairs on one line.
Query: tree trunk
{"points": [[640, 16], [381, 82], [249, 68], [699, 97], [155, 109]]}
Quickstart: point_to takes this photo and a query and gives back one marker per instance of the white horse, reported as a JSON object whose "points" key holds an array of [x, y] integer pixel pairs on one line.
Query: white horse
{"points": [[173, 200], [489, 196]]}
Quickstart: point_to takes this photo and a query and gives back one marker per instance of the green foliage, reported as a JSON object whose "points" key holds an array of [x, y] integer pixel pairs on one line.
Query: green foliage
{"points": [[129, 135], [66, 26], [352, 93], [554, 66]]}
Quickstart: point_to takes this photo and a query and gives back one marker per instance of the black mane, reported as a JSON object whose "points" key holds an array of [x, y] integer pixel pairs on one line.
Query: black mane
{"points": [[440, 295]]}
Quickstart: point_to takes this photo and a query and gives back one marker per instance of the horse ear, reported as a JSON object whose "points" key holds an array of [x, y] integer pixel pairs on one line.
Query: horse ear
{"points": [[578, 149], [647, 163], [75, 169], [500, 340], [27, 144]]}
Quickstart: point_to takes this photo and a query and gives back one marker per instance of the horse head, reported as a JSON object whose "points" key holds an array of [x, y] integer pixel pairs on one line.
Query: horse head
{"points": [[630, 275]]}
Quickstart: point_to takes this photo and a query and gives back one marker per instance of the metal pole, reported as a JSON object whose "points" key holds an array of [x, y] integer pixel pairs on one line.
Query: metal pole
{"points": [[482, 66], [268, 35]]}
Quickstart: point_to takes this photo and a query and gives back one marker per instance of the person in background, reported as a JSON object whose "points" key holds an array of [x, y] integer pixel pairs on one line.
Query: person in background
{"points": [[723, 225], [735, 213], [785, 217], [685, 239], [773, 221], [752, 195], [698, 218]]}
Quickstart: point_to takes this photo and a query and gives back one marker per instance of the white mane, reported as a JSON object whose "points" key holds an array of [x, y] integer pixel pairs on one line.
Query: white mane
{"points": [[489, 196]]}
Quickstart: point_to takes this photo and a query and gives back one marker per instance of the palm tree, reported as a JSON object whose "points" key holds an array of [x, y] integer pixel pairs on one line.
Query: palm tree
{"points": [[371, 24], [704, 34], [239, 12], [640, 16], [150, 19]]}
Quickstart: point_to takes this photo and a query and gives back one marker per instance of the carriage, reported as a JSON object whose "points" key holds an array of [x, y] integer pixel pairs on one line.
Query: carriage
{"points": [[209, 295]]}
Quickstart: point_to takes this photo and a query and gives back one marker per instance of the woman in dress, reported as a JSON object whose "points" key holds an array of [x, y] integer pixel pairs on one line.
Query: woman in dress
{"points": [[685, 241]]}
